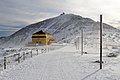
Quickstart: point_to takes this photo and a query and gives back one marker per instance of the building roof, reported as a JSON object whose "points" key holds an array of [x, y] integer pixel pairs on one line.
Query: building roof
{"points": [[40, 32]]}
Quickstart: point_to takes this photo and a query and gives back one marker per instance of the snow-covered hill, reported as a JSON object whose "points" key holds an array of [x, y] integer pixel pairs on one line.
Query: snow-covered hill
{"points": [[62, 27]]}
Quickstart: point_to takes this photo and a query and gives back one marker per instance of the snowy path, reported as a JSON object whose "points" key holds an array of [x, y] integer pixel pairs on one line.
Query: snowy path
{"points": [[63, 64]]}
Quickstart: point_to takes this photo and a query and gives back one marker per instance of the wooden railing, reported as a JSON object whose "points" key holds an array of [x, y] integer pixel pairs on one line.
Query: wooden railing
{"points": [[21, 55]]}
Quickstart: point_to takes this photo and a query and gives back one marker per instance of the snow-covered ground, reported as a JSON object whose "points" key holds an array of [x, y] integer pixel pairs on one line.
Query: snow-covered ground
{"points": [[65, 64]]}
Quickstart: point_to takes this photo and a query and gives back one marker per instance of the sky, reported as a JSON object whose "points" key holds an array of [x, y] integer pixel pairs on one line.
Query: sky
{"points": [[16, 14]]}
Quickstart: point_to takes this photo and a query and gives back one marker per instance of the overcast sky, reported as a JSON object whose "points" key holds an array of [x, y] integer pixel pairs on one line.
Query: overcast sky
{"points": [[15, 14]]}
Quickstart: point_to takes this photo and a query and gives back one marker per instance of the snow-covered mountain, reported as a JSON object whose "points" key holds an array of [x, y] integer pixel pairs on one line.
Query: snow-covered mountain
{"points": [[62, 27]]}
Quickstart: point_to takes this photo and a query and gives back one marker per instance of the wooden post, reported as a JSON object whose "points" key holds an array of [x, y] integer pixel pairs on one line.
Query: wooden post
{"points": [[75, 42], [41, 50], [82, 41], [18, 57], [23, 55], [45, 50], [31, 53], [78, 42], [101, 41], [5, 65], [37, 51]]}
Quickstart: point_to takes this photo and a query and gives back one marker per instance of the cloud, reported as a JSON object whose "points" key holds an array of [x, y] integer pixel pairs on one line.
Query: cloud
{"points": [[9, 28], [25, 12], [5, 33], [115, 22]]}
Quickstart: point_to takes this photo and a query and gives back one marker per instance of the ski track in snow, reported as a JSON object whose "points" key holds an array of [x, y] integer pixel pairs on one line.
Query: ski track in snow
{"points": [[64, 64]]}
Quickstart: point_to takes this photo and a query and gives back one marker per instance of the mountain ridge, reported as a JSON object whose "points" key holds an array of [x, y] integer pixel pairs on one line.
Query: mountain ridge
{"points": [[61, 27]]}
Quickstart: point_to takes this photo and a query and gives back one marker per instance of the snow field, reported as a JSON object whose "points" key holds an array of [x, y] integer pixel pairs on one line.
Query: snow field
{"points": [[64, 64]]}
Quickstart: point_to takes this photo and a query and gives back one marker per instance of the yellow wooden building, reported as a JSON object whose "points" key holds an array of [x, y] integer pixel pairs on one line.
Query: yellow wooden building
{"points": [[42, 38]]}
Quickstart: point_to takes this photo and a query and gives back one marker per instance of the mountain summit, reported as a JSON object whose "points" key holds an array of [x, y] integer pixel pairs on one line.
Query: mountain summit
{"points": [[61, 27]]}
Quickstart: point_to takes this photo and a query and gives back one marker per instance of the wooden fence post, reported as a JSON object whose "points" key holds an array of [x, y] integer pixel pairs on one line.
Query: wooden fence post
{"points": [[45, 50], [41, 50], [31, 53], [18, 57], [23, 55], [37, 51], [5, 65]]}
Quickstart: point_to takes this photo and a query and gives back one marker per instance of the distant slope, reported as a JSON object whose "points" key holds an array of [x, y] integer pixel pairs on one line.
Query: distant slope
{"points": [[61, 27]]}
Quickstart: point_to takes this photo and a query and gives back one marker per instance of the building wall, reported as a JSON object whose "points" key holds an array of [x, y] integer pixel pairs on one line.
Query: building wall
{"points": [[41, 38]]}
